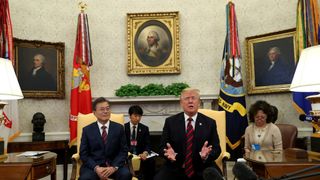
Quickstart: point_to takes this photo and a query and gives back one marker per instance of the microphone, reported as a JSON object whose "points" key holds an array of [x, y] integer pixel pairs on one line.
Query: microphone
{"points": [[242, 172], [211, 173], [309, 118]]}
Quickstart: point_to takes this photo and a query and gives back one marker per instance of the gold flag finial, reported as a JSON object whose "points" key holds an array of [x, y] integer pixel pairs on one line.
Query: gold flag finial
{"points": [[82, 6]]}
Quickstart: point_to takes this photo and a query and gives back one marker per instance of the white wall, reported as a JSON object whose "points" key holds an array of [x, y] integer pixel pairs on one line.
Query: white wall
{"points": [[202, 33]]}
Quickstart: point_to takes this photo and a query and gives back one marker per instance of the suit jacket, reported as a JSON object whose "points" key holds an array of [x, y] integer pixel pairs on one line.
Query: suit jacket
{"points": [[94, 152], [143, 138], [174, 132]]}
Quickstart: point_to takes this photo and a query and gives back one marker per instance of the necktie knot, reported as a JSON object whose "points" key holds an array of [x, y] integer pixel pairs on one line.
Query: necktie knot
{"points": [[103, 127]]}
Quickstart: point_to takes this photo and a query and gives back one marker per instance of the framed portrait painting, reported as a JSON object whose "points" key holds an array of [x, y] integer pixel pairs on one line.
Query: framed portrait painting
{"points": [[40, 68], [153, 43], [271, 61]]}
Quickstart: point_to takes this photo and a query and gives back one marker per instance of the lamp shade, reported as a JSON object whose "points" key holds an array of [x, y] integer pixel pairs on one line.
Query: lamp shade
{"points": [[307, 75], [9, 86]]}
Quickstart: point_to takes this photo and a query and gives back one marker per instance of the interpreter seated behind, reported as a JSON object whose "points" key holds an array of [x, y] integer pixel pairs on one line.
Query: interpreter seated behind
{"points": [[138, 141], [262, 134]]}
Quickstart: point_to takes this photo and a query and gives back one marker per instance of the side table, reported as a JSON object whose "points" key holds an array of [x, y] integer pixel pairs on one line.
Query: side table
{"points": [[41, 166], [15, 171], [43, 146]]}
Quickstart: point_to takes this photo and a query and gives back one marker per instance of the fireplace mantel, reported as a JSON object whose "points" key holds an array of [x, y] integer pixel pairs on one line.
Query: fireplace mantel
{"points": [[156, 108]]}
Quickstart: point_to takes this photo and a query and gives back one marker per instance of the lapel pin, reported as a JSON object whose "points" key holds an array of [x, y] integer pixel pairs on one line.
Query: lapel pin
{"points": [[200, 124]]}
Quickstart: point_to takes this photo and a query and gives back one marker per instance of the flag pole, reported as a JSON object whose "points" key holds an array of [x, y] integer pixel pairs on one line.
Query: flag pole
{"points": [[80, 100]]}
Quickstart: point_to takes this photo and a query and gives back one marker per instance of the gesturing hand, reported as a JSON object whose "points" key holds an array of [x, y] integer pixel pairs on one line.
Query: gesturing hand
{"points": [[205, 150], [169, 153]]}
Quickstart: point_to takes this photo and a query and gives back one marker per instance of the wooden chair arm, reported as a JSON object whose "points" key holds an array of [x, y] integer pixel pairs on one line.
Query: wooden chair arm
{"points": [[75, 157], [130, 156], [225, 157], [75, 162]]}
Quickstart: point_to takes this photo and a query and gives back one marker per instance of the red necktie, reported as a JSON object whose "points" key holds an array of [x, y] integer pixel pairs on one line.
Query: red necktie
{"points": [[189, 171], [104, 134]]}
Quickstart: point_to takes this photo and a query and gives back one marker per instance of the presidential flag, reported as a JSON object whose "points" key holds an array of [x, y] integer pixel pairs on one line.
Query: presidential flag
{"points": [[80, 101], [308, 34], [232, 97]]}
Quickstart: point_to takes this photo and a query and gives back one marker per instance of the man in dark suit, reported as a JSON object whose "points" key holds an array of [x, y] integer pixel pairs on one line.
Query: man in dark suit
{"points": [[138, 141], [189, 141], [103, 149]]}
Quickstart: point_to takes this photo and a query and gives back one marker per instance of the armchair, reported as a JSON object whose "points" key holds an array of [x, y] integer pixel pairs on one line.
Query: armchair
{"points": [[220, 118], [84, 120], [289, 135]]}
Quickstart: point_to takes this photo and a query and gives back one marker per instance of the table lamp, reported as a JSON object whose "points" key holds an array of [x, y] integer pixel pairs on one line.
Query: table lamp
{"points": [[9, 86], [307, 79]]}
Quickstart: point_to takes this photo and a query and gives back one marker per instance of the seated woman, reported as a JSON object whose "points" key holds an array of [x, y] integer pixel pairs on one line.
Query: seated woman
{"points": [[262, 134]]}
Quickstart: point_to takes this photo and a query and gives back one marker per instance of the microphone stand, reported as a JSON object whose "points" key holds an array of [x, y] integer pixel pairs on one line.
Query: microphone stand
{"points": [[303, 176], [292, 175]]}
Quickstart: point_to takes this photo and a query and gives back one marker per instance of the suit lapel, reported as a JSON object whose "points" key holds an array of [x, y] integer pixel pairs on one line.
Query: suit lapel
{"points": [[198, 125], [199, 129], [139, 133], [128, 130], [181, 131]]}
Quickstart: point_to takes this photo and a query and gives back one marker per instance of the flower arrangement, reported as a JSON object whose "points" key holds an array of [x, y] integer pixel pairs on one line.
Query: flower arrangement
{"points": [[151, 90]]}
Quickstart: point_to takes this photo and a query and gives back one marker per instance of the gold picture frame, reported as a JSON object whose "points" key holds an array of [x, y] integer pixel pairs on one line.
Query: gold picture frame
{"points": [[40, 69], [271, 61], [153, 43]]}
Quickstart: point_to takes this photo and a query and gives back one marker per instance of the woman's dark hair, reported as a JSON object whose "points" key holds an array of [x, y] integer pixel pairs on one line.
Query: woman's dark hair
{"points": [[274, 114], [263, 106], [97, 101], [135, 109]]}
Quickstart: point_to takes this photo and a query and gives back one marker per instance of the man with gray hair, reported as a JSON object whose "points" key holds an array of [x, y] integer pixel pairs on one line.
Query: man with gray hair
{"points": [[38, 78], [189, 142]]}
